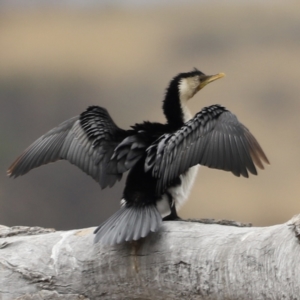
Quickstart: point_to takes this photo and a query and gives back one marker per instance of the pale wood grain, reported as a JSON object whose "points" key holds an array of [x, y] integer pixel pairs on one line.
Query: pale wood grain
{"points": [[184, 260]]}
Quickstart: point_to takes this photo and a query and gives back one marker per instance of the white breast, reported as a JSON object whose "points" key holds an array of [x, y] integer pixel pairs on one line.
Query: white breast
{"points": [[180, 193]]}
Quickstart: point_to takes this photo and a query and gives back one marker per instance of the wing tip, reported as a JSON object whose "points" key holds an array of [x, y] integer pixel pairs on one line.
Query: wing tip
{"points": [[265, 159], [259, 159], [11, 171], [256, 152]]}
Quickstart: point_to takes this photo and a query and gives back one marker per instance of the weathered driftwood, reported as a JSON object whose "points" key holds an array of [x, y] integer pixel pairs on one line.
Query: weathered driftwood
{"points": [[182, 261]]}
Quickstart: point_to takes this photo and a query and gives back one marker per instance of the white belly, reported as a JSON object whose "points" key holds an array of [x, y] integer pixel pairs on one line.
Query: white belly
{"points": [[180, 193]]}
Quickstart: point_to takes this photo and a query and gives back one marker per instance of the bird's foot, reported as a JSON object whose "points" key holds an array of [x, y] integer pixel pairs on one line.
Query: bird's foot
{"points": [[171, 217]]}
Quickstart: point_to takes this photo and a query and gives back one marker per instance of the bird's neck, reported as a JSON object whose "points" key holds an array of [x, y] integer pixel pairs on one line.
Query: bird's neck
{"points": [[175, 109], [187, 115]]}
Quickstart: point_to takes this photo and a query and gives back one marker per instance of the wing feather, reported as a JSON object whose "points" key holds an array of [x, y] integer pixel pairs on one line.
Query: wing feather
{"points": [[87, 141], [213, 138], [220, 151]]}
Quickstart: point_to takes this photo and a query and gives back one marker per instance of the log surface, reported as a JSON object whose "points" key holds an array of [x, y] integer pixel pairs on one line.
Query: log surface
{"points": [[184, 260]]}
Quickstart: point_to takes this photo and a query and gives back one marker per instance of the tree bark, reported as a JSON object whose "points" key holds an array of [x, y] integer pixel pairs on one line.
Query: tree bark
{"points": [[184, 260]]}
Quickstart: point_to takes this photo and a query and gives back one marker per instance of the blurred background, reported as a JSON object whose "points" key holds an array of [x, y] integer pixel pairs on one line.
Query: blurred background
{"points": [[59, 57]]}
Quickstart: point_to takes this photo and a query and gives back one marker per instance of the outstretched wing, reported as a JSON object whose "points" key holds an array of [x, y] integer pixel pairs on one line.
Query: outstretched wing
{"points": [[213, 138], [87, 141]]}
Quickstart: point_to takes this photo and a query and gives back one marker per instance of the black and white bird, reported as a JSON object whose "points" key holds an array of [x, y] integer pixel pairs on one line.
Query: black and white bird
{"points": [[162, 159]]}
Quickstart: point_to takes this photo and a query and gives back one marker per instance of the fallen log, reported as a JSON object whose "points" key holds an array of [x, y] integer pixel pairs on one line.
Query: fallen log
{"points": [[184, 260]]}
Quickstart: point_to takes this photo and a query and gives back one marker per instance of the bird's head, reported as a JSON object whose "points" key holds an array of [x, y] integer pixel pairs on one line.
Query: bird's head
{"points": [[182, 88], [188, 84]]}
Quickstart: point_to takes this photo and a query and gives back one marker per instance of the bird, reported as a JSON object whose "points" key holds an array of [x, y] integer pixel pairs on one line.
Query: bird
{"points": [[161, 159]]}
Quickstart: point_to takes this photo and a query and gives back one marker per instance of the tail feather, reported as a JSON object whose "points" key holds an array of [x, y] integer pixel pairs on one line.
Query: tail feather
{"points": [[157, 217], [145, 228], [119, 232], [131, 227], [127, 224]]}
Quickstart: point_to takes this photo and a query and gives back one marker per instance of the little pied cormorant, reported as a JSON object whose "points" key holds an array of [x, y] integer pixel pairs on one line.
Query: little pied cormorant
{"points": [[162, 159]]}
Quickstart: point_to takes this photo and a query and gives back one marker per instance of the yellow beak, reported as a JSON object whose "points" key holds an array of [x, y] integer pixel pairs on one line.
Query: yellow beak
{"points": [[209, 78]]}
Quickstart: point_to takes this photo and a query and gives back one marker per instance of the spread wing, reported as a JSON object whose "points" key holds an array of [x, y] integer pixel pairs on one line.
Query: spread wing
{"points": [[213, 138], [87, 141]]}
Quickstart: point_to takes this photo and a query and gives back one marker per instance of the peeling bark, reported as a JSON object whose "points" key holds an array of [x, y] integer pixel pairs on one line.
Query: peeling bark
{"points": [[184, 260]]}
